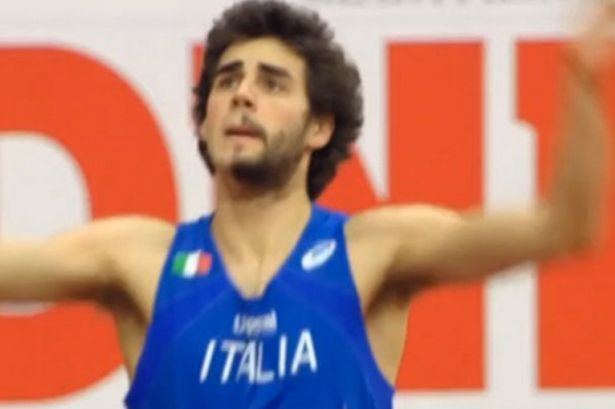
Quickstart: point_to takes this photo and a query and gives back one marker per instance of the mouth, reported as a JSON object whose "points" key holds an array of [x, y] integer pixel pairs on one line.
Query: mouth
{"points": [[243, 131]]}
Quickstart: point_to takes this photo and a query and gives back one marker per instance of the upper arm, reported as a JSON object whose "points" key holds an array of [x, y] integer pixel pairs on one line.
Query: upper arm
{"points": [[85, 263], [438, 244]]}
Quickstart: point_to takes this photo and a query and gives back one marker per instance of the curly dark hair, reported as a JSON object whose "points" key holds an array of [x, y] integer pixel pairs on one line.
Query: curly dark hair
{"points": [[333, 82]]}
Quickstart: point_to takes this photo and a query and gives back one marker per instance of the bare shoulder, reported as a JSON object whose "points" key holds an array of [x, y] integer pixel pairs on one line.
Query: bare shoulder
{"points": [[128, 239], [131, 227], [133, 230], [389, 221], [105, 239], [376, 238], [136, 246], [95, 261]]}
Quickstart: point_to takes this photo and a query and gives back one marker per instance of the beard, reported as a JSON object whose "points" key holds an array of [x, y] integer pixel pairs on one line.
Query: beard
{"points": [[273, 169]]}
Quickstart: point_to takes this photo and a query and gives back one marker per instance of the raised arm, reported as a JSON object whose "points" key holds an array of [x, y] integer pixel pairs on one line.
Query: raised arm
{"points": [[87, 263], [440, 245]]}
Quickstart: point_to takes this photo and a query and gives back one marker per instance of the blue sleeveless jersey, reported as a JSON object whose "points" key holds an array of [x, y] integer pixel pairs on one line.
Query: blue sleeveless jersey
{"points": [[301, 345]]}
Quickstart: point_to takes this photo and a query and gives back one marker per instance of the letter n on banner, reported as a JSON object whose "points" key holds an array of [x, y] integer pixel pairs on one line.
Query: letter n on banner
{"points": [[577, 296]]}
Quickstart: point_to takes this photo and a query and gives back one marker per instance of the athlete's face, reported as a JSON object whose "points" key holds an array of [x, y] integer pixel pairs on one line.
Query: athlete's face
{"points": [[258, 123]]}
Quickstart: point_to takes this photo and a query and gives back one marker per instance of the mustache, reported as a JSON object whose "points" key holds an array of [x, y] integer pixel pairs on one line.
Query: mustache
{"points": [[248, 122]]}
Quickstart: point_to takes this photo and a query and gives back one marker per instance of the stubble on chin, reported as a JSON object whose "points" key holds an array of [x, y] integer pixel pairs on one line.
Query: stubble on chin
{"points": [[273, 168]]}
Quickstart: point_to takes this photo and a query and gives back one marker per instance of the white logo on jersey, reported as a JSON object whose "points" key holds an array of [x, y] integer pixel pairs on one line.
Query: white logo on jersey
{"points": [[253, 325], [250, 360], [318, 255]]}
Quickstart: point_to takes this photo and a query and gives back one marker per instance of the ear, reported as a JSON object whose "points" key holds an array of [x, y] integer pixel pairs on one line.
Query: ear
{"points": [[320, 131], [201, 131]]}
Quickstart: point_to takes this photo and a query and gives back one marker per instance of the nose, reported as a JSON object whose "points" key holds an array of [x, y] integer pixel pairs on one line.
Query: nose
{"points": [[244, 95]]}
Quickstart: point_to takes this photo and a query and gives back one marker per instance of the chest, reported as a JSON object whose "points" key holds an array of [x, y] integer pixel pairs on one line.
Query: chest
{"points": [[283, 343], [252, 277]]}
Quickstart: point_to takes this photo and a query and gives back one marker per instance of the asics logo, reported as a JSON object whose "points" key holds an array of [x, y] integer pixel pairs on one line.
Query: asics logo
{"points": [[318, 255]]}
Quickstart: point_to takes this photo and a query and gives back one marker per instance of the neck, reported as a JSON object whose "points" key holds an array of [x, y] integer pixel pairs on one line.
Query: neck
{"points": [[252, 225]]}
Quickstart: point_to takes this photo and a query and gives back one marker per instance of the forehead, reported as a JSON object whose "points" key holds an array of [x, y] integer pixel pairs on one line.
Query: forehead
{"points": [[267, 50]]}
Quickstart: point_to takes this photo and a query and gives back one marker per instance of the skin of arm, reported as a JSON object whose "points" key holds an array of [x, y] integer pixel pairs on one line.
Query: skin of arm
{"points": [[430, 244], [92, 262]]}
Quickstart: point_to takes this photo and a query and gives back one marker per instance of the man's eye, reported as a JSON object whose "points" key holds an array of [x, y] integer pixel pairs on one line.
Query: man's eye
{"points": [[273, 85], [226, 82]]}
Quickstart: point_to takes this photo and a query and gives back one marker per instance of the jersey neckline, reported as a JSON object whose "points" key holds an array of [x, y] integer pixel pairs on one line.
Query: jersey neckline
{"points": [[279, 272]]}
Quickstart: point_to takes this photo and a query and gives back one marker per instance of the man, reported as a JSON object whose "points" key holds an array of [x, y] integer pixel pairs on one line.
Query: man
{"points": [[272, 301]]}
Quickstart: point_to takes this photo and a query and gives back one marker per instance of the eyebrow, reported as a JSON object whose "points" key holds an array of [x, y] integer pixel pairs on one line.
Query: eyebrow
{"points": [[228, 68], [274, 70], [270, 69]]}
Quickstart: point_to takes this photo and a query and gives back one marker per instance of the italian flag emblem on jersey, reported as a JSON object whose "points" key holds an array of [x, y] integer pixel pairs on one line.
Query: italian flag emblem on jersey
{"points": [[191, 264]]}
